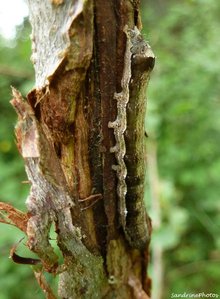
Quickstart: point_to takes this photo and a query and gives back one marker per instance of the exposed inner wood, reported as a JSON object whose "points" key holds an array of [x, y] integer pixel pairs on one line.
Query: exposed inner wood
{"points": [[70, 164]]}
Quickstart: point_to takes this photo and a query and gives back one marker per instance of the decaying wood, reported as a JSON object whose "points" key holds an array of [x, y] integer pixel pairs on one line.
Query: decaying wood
{"points": [[78, 50], [50, 200], [22, 260], [44, 285], [10, 215]]}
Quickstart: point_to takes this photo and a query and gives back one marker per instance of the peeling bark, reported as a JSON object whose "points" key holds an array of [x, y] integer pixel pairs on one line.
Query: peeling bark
{"points": [[64, 138]]}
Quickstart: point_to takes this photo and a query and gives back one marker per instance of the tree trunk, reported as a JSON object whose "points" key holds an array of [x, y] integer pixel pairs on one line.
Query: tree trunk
{"points": [[85, 115]]}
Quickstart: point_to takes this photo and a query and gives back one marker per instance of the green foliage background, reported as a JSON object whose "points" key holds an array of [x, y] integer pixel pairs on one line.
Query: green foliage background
{"points": [[16, 281], [183, 120]]}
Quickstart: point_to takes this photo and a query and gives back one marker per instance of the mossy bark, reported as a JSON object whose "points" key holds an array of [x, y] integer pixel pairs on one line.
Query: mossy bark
{"points": [[78, 54]]}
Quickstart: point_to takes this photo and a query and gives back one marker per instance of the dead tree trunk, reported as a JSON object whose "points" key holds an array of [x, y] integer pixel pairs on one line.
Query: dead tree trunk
{"points": [[85, 115]]}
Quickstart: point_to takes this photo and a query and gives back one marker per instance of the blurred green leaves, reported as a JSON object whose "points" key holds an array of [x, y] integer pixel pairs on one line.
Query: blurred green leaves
{"points": [[16, 281], [15, 70], [184, 120]]}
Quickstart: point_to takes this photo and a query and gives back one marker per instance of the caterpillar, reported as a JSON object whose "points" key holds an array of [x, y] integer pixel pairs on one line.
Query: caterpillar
{"points": [[129, 134]]}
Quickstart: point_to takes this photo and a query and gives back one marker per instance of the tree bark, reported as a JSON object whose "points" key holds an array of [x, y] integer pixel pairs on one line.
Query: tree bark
{"points": [[64, 136]]}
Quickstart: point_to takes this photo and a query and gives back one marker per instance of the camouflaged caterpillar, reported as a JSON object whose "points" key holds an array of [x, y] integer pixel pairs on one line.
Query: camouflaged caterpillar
{"points": [[129, 133]]}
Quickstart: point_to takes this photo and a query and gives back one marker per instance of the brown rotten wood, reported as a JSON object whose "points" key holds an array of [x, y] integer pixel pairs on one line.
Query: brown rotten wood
{"points": [[64, 138]]}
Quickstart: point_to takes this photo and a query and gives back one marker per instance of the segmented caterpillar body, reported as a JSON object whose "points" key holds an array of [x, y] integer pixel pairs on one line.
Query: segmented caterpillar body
{"points": [[129, 133]]}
